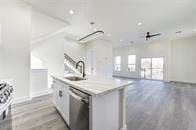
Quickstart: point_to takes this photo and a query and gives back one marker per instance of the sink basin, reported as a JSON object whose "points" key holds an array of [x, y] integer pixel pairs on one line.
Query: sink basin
{"points": [[75, 78]]}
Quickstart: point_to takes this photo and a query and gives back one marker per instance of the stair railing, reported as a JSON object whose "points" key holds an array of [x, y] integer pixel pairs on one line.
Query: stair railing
{"points": [[71, 64]]}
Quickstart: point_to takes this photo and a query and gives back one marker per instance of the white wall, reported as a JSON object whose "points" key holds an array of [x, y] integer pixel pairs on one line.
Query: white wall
{"points": [[42, 25], [51, 50], [179, 54], [156, 49], [51, 53], [38, 82], [15, 18], [74, 49], [102, 57], [36, 63], [1, 62], [0, 34], [183, 60]]}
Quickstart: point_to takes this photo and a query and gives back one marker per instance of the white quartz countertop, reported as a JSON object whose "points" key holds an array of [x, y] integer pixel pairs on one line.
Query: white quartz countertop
{"points": [[96, 85]]}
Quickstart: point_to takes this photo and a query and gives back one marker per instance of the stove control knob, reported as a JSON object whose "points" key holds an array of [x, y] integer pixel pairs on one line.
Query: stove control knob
{"points": [[1, 96], [11, 89], [2, 100], [5, 95], [7, 92]]}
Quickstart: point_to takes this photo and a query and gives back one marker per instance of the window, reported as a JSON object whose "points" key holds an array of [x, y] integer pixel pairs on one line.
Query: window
{"points": [[131, 63], [117, 63], [157, 68]]}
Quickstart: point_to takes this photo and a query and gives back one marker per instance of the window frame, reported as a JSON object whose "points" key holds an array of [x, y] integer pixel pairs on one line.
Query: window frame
{"points": [[163, 57], [115, 64], [134, 64]]}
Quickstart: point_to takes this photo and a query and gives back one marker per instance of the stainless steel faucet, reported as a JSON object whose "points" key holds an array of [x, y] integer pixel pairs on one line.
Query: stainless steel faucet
{"points": [[83, 67]]}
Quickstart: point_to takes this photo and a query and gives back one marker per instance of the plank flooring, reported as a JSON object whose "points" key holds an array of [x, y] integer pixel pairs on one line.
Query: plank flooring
{"points": [[38, 114], [151, 105], [155, 105]]}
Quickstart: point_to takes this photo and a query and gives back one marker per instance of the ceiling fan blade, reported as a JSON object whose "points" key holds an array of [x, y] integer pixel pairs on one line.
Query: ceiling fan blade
{"points": [[142, 36], [155, 35]]}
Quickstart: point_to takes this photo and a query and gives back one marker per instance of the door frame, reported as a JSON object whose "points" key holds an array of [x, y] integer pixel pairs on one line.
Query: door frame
{"points": [[151, 67]]}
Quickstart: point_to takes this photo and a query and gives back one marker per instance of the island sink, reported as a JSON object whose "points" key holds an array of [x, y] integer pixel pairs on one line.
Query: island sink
{"points": [[74, 78], [98, 103]]}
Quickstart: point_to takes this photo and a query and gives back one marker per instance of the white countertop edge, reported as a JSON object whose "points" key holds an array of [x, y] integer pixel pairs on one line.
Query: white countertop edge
{"points": [[9, 81], [71, 83], [40, 69]]}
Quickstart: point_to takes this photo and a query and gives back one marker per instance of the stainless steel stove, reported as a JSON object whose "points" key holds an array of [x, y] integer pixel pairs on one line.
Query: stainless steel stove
{"points": [[6, 91]]}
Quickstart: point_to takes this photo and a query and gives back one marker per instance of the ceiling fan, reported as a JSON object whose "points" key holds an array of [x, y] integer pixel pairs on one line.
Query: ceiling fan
{"points": [[148, 35]]}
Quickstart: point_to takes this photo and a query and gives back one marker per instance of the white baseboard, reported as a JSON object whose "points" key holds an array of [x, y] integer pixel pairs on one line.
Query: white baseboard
{"points": [[41, 93], [33, 95], [184, 81], [21, 100]]}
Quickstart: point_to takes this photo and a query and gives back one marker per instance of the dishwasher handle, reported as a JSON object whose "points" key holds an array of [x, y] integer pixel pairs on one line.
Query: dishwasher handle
{"points": [[71, 93]]}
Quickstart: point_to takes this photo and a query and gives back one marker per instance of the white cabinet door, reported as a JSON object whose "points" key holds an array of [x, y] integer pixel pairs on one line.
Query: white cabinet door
{"points": [[54, 93], [65, 103], [61, 99]]}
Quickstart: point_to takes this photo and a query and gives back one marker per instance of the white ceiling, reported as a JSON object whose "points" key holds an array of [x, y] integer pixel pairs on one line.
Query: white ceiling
{"points": [[120, 17]]}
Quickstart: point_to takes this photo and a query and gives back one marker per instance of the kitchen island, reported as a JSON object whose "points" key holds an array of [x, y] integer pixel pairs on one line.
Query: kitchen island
{"points": [[106, 101]]}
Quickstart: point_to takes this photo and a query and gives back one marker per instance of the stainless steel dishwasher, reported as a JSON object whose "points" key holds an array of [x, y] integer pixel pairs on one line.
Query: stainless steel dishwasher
{"points": [[79, 110]]}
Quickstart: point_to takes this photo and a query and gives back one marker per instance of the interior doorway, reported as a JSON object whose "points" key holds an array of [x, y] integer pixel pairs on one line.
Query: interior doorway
{"points": [[152, 68]]}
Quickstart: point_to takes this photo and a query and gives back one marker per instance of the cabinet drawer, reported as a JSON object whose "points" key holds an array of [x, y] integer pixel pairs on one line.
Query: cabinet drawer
{"points": [[61, 84]]}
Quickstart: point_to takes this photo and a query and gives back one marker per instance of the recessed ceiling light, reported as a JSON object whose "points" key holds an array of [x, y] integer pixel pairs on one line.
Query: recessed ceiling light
{"points": [[139, 24], [71, 12], [95, 29], [109, 34], [121, 40]]}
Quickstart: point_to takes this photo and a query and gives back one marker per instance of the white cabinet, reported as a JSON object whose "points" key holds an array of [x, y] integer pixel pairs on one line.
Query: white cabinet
{"points": [[61, 99], [65, 103]]}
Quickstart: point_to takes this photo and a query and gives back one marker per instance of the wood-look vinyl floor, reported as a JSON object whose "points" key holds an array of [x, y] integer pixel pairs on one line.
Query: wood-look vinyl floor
{"points": [[151, 105], [155, 105], [38, 114]]}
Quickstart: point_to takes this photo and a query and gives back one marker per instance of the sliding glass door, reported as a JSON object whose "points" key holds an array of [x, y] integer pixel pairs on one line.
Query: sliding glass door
{"points": [[152, 68], [146, 68]]}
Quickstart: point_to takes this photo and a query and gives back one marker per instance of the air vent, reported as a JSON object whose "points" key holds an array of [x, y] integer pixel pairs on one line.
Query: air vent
{"points": [[178, 32]]}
